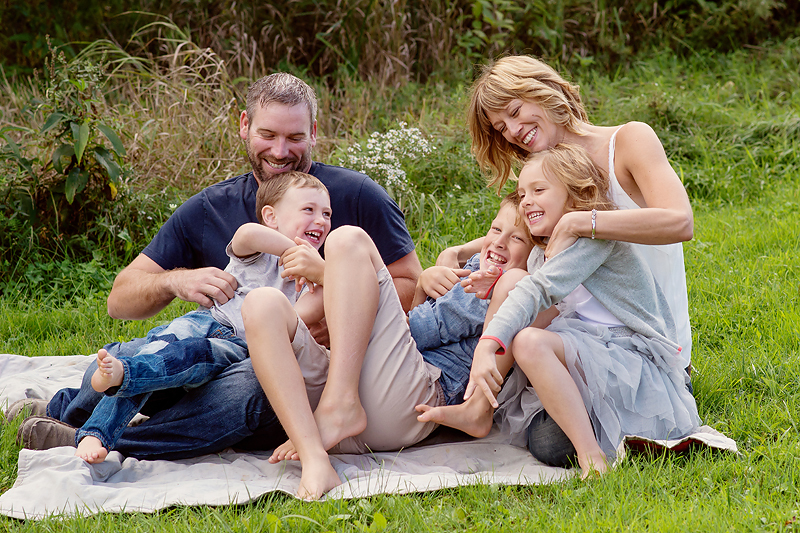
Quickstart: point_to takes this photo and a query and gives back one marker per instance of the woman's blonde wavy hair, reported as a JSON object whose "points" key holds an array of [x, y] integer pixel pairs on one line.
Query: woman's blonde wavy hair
{"points": [[527, 79], [587, 186]]}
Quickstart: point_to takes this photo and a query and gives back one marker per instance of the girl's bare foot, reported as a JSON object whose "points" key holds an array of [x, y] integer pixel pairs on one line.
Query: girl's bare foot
{"points": [[339, 419], [318, 477], [473, 417], [593, 463], [286, 451], [91, 450], [109, 372]]}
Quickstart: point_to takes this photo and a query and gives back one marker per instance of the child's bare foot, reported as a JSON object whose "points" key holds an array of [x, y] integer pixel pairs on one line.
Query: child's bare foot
{"points": [[91, 450], [318, 477], [593, 463], [473, 417], [285, 451], [339, 419], [109, 372]]}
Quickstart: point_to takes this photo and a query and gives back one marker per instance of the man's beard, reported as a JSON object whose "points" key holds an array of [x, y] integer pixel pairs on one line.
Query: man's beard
{"points": [[303, 164]]}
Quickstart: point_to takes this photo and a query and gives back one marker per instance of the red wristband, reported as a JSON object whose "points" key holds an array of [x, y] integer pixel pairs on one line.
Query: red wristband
{"points": [[491, 287]]}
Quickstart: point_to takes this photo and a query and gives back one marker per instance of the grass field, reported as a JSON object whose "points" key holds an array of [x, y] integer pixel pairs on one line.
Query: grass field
{"points": [[730, 126]]}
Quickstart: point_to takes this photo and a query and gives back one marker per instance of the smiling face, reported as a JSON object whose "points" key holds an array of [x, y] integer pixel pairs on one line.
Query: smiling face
{"points": [[303, 212], [507, 243], [543, 200], [526, 125], [278, 138]]}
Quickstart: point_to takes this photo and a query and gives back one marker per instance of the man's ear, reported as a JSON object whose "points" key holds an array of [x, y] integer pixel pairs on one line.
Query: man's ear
{"points": [[269, 217], [244, 125], [313, 142]]}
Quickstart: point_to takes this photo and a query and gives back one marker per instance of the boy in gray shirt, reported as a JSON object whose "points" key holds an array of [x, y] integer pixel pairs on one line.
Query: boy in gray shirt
{"points": [[294, 212]]}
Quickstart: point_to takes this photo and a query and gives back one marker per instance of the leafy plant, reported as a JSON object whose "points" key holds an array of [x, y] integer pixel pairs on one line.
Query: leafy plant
{"points": [[66, 175]]}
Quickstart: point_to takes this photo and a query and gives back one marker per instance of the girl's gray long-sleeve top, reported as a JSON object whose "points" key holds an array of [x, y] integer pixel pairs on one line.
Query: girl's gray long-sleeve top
{"points": [[612, 271]]}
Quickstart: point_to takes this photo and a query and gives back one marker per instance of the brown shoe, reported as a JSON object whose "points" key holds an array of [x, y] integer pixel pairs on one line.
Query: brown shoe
{"points": [[43, 433], [28, 407]]}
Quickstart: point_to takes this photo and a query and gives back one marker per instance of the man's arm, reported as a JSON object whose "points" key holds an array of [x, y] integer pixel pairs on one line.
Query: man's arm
{"points": [[143, 288], [405, 273]]}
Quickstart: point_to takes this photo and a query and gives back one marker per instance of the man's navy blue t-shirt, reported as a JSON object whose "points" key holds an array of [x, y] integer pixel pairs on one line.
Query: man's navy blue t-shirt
{"points": [[197, 233]]}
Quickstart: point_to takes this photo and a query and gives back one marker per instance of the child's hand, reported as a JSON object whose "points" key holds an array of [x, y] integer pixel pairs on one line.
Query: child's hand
{"points": [[481, 282], [436, 281], [303, 264], [484, 374]]}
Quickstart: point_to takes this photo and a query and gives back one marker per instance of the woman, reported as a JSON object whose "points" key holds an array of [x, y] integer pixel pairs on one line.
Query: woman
{"points": [[519, 106]]}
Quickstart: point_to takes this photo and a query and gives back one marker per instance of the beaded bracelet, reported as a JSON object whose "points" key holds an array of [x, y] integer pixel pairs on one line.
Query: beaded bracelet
{"points": [[594, 221]]}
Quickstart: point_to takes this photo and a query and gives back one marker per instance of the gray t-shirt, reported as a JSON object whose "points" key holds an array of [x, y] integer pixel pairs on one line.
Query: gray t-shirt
{"points": [[257, 270]]}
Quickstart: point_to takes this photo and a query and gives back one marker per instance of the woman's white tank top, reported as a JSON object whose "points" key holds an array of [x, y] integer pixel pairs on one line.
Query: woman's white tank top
{"points": [[664, 260]]}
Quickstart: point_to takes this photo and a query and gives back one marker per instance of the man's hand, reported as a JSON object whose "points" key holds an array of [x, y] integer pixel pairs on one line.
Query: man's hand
{"points": [[303, 264], [202, 285], [484, 375], [436, 281], [481, 282]]}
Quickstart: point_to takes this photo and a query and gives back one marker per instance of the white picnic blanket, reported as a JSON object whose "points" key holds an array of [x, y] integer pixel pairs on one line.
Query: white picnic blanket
{"points": [[55, 482]]}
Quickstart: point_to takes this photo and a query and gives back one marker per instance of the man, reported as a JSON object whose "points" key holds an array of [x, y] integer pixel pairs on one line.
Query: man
{"points": [[186, 260]]}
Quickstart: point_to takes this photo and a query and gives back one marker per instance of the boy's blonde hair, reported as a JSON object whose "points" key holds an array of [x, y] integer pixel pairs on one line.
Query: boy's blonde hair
{"points": [[512, 78], [512, 200], [272, 190], [587, 186]]}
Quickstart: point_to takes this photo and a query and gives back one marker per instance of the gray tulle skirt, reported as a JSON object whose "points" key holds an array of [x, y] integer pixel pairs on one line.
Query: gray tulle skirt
{"points": [[630, 384]]}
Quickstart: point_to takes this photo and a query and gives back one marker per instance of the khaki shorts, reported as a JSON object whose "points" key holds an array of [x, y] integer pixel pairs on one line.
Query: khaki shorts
{"points": [[394, 378]]}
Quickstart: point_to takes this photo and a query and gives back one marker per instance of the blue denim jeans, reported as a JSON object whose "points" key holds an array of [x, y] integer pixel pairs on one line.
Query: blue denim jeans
{"points": [[229, 410]]}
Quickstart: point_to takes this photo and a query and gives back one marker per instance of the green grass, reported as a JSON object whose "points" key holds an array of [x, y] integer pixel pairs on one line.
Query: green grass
{"points": [[730, 126]]}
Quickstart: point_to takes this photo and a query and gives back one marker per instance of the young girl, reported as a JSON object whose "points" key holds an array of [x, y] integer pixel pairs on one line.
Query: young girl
{"points": [[608, 365]]}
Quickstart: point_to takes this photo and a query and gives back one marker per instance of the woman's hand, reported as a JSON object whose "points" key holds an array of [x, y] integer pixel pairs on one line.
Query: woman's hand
{"points": [[484, 375], [565, 233], [437, 281], [481, 282]]}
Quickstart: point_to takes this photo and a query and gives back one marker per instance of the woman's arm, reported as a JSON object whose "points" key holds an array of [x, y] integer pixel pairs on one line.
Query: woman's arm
{"points": [[644, 172]]}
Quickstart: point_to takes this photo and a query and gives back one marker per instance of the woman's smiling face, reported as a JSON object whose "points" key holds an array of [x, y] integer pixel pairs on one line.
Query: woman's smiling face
{"points": [[526, 125]]}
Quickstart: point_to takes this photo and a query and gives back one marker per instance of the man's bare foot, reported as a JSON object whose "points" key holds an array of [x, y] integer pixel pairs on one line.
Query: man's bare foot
{"points": [[339, 419], [473, 417], [109, 372], [594, 463], [286, 451], [91, 450], [318, 477]]}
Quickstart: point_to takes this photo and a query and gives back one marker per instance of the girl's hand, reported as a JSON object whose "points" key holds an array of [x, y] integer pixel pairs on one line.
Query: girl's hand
{"points": [[564, 234], [484, 374], [481, 282], [437, 281]]}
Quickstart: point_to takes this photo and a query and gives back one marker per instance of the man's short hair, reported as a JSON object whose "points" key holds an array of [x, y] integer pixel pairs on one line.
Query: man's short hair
{"points": [[283, 88], [272, 190]]}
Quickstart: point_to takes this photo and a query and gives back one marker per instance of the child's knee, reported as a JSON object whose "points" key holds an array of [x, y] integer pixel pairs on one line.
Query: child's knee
{"points": [[265, 303], [347, 239], [529, 344]]}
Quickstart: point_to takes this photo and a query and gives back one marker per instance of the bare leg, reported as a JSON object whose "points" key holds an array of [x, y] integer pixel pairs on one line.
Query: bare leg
{"points": [[540, 354], [351, 303], [91, 450], [109, 373], [271, 323]]}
